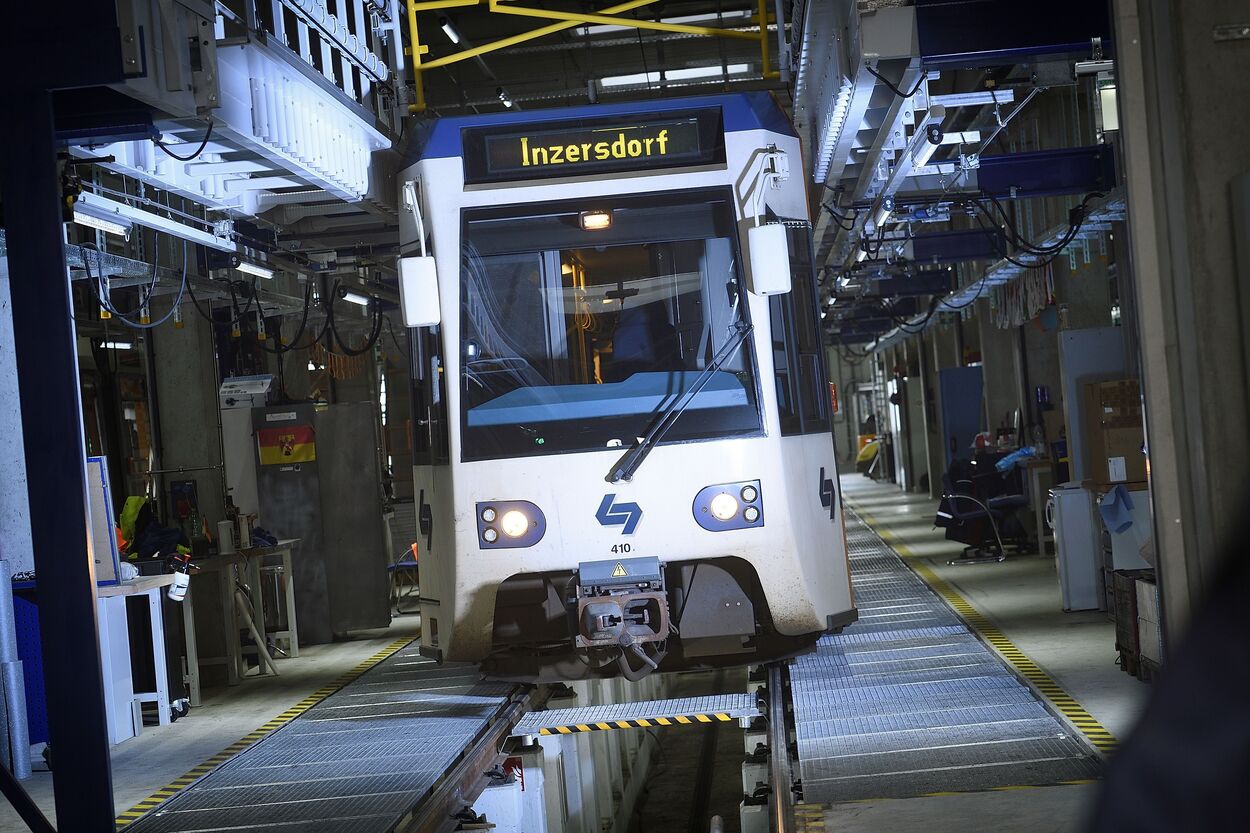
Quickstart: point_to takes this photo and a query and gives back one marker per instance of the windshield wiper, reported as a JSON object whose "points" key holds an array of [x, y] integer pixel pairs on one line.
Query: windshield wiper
{"points": [[625, 467]]}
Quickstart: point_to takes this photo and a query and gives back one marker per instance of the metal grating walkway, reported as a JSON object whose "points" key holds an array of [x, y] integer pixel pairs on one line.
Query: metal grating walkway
{"points": [[908, 701], [356, 762], [686, 710]]}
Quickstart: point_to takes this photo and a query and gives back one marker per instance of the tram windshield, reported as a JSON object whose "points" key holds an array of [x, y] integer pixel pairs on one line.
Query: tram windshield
{"points": [[581, 322]]}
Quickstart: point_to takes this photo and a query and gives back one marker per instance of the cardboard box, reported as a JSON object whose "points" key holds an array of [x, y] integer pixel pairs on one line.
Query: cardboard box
{"points": [[1114, 432]]}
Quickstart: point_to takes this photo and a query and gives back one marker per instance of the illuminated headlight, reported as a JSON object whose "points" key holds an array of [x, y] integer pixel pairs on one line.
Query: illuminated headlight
{"points": [[595, 220], [514, 523], [509, 524], [724, 507]]}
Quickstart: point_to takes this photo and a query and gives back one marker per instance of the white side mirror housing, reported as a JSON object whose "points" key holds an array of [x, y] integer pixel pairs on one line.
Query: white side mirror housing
{"points": [[769, 254], [418, 291]]}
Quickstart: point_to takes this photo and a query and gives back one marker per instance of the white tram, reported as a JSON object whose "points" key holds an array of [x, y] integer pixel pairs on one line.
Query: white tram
{"points": [[624, 460]]}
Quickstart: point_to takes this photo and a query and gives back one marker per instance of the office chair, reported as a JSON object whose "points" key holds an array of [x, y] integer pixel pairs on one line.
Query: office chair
{"points": [[965, 516]]}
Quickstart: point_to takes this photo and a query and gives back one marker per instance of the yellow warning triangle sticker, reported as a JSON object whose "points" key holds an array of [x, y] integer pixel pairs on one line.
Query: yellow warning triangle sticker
{"points": [[619, 571]]}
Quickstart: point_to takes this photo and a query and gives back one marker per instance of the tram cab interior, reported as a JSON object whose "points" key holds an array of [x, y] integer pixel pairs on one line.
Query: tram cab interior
{"points": [[573, 336]]}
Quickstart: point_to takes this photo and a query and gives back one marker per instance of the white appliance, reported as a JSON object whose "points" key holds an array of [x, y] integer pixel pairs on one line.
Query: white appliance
{"points": [[1126, 546], [1072, 513], [237, 397]]}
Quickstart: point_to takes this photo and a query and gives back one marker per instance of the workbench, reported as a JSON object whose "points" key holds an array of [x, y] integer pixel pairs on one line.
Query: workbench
{"points": [[246, 565], [124, 705]]}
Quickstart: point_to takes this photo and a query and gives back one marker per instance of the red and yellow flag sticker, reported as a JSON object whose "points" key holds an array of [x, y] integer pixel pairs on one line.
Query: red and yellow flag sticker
{"points": [[289, 444]]}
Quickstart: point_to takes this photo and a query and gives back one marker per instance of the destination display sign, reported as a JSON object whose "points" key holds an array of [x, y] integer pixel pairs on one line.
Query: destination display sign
{"points": [[589, 147]]}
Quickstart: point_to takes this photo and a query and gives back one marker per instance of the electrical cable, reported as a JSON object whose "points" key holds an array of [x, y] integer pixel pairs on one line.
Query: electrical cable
{"points": [[894, 89], [646, 72], [279, 348], [96, 285], [844, 223], [979, 285], [203, 144], [375, 330], [390, 330]]}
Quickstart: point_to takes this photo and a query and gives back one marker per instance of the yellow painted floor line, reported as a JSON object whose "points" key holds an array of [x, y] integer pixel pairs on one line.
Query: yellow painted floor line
{"points": [[204, 767], [1037, 679]]}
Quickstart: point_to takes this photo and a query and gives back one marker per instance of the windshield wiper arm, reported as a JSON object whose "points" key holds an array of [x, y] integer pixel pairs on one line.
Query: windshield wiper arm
{"points": [[625, 467]]}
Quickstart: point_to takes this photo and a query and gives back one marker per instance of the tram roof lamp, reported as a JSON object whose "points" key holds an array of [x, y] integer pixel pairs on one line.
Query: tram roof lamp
{"points": [[595, 220], [449, 30]]}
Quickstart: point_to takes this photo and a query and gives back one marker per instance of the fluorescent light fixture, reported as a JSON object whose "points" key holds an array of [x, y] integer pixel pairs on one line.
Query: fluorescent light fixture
{"points": [[119, 227], [504, 98], [356, 298], [255, 269], [117, 345], [449, 30], [734, 16], [102, 207], [686, 74]]}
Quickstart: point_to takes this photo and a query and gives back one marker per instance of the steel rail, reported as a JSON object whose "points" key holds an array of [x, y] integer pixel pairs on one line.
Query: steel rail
{"points": [[779, 753], [464, 781]]}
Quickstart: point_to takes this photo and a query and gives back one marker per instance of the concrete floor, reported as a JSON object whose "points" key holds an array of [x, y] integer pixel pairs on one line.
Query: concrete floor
{"points": [[1021, 597], [144, 764]]}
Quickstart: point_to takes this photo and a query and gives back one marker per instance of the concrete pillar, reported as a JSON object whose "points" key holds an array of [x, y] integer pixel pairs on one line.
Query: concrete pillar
{"points": [[186, 376], [1083, 290], [14, 509], [998, 364], [931, 411], [1185, 155]]}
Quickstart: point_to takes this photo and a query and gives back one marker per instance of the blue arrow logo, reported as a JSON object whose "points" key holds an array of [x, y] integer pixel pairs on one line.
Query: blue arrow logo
{"points": [[626, 515]]}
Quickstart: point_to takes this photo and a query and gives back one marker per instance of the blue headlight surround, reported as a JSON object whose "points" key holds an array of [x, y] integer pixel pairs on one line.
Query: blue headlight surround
{"points": [[503, 541], [702, 507]]}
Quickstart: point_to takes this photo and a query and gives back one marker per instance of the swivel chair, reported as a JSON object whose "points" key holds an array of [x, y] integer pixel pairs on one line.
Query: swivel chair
{"points": [[979, 522]]}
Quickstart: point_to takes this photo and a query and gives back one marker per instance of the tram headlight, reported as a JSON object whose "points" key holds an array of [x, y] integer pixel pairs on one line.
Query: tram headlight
{"points": [[724, 507], [509, 524], [514, 523]]}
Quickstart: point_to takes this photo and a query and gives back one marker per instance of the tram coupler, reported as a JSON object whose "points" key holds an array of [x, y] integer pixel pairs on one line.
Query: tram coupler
{"points": [[621, 603]]}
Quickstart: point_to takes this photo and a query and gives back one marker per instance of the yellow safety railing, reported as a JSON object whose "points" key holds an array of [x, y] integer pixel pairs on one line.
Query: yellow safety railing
{"points": [[610, 15]]}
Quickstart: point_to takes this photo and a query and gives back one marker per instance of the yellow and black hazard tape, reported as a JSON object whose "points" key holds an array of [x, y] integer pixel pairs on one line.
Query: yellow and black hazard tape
{"points": [[638, 723], [1039, 680], [810, 818], [201, 769]]}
